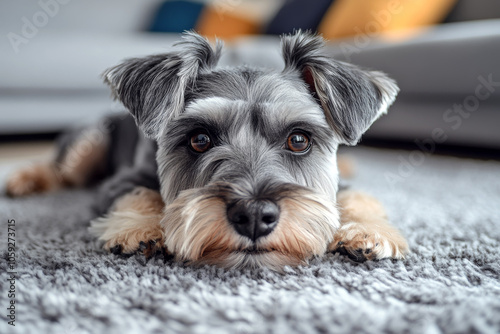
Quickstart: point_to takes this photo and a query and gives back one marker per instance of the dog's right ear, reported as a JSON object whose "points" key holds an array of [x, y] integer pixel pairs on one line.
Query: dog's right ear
{"points": [[152, 88]]}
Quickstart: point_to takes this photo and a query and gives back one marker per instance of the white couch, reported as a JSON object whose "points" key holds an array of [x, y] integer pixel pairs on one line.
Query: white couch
{"points": [[53, 80]]}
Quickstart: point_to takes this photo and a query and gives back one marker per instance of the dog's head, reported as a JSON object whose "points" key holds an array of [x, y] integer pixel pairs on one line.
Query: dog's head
{"points": [[247, 157]]}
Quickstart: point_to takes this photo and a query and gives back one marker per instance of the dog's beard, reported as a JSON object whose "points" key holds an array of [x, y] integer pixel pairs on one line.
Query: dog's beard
{"points": [[196, 229]]}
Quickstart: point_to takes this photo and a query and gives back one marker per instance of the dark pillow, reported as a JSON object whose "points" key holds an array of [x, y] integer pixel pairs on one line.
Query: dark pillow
{"points": [[298, 14]]}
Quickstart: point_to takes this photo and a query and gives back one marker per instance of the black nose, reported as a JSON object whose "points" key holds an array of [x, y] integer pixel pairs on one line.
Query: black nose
{"points": [[253, 219]]}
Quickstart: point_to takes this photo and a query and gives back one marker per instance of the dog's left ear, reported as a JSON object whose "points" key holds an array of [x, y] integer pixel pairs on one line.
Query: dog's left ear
{"points": [[152, 88], [352, 98]]}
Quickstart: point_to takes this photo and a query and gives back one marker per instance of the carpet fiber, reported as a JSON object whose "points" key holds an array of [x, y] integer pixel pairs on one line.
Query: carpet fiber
{"points": [[448, 208]]}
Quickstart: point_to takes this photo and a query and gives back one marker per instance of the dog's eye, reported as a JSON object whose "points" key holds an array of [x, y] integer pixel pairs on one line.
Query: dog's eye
{"points": [[200, 142], [298, 142]]}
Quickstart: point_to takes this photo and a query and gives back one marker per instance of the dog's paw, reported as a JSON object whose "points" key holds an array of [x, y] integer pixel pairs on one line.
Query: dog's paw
{"points": [[146, 248], [133, 225], [37, 178], [128, 233], [361, 242]]}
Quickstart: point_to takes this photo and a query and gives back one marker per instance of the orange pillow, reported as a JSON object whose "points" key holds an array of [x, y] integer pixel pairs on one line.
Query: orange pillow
{"points": [[227, 19], [225, 26], [347, 18]]}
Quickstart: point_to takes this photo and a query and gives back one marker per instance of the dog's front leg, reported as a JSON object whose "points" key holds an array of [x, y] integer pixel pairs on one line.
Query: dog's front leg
{"points": [[365, 232], [132, 224]]}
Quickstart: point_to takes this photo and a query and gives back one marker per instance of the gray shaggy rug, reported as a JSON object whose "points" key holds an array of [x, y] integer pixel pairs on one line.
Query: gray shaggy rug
{"points": [[448, 208]]}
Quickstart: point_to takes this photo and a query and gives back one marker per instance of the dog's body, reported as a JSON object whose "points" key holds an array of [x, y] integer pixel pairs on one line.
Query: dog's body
{"points": [[233, 167]]}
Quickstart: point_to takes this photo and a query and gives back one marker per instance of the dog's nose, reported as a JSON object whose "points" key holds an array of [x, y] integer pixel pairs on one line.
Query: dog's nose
{"points": [[253, 219]]}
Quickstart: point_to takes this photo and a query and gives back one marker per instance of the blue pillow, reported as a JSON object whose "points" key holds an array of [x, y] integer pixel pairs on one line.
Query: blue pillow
{"points": [[176, 16]]}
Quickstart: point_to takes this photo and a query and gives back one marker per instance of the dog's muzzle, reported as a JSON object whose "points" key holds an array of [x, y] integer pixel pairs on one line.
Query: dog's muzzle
{"points": [[237, 226]]}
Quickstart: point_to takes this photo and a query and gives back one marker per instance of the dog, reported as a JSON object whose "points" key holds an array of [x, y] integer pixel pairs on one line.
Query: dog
{"points": [[233, 167]]}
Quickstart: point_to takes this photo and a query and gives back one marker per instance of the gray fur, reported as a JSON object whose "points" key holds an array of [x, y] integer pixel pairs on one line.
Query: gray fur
{"points": [[245, 153]]}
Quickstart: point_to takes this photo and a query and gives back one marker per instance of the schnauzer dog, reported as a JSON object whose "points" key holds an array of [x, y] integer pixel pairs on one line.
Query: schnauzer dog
{"points": [[229, 166]]}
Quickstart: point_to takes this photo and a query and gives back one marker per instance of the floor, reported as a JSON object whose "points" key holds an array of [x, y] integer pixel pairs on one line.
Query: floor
{"points": [[450, 282]]}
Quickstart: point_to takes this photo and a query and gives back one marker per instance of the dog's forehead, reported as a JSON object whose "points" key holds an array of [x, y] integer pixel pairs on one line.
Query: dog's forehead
{"points": [[221, 108], [244, 83], [261, 96]]}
